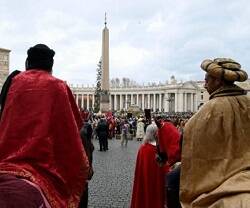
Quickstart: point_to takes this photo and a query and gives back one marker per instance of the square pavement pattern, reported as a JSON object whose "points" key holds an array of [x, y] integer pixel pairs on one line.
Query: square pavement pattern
{"points": [[111, 185]]}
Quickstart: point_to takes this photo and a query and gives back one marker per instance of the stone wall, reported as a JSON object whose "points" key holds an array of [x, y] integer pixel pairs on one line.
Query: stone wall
{"points": [[4, 65]]}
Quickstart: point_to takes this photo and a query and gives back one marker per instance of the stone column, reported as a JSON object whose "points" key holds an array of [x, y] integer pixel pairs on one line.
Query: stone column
{"points": [[143, 101], [126, 101], [137, 99], [166, 103], [176, 101], [111, 103], [140, 100], [156, 101], [160, 102], [180, 102], [185, 102], [110, 96], [195, 102], [93, 101], [154, 105], [188, 102], [81, 100], [84, 97], [121, 102], [88, 101], [115, 102], [192, 102], [148, 101], [77, 97]]}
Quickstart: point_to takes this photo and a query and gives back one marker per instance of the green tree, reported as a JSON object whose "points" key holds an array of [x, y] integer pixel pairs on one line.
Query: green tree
{"points": [[98, 89]]}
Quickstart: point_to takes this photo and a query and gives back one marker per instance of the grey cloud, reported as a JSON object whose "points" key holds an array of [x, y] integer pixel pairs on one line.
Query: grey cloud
{"points": [[149, 40]]}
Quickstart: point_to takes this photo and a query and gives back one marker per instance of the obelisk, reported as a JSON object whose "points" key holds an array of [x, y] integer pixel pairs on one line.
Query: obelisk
{"points": [[105, 102]]}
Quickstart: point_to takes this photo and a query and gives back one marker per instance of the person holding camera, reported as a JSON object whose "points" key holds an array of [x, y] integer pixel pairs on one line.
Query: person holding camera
{"points": [[148, 188]]}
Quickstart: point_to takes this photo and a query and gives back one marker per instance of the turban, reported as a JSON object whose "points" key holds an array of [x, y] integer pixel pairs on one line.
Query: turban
{"points": [[40, 56], [224, 68]]}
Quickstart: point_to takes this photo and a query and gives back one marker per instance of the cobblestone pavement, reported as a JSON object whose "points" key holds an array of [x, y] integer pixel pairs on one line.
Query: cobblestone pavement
{"points": [[111, 185]]}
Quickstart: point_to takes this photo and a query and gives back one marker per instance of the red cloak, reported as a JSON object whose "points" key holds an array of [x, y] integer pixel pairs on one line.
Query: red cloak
{"points": [[169, 142], [148, 188], [39, 137]]}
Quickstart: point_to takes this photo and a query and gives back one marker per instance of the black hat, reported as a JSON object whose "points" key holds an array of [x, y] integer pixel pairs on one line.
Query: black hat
{"points": [[40, 56]]}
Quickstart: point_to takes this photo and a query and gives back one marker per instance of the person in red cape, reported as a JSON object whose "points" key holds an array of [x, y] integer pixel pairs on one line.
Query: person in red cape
{"points": [[169, 153], [42, 161], [148, 188], [169, 142]]}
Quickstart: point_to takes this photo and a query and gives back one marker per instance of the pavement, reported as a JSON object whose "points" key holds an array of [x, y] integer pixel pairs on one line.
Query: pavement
{"points": [[112, 183]]}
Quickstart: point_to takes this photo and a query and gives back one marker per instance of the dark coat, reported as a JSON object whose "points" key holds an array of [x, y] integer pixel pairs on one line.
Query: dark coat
{"points": [[86, 136], [102, 129]]}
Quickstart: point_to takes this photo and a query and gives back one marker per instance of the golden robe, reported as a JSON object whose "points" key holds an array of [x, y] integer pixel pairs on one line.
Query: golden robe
{"points": [[216, 153]]}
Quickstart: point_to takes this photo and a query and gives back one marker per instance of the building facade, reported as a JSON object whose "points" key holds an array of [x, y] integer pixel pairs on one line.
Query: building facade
{"points": [[4, 65], [172, 96], [169, 97]]}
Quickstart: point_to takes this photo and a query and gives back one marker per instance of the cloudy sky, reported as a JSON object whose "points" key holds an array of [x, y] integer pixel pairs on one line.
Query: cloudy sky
{"points": [[150, 40]]}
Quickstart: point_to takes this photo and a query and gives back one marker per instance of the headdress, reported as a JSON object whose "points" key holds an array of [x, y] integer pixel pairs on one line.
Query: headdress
{"points": [[224, 68]]}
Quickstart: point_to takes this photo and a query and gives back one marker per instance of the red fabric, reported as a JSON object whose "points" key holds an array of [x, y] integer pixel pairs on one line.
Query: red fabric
{"points": [[169, 142], [85, 115], [39, 137], [148, 188], [16, 193], [109, 115]]}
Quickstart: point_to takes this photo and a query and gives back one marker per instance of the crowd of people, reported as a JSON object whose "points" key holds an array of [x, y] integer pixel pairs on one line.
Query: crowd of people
{"points": [[184, 160]]}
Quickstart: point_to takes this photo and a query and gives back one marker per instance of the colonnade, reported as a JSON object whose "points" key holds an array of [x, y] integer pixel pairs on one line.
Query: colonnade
{"points": [[171, 101], [165, 102], [85, 101]]}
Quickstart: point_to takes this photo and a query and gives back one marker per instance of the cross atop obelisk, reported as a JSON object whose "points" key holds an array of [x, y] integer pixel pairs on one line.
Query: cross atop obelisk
{"points": [[105, 22], [105, 105]]}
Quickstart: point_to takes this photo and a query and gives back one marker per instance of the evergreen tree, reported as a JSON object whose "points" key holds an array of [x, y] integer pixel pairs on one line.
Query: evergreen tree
{"points": [[98, 89]]}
